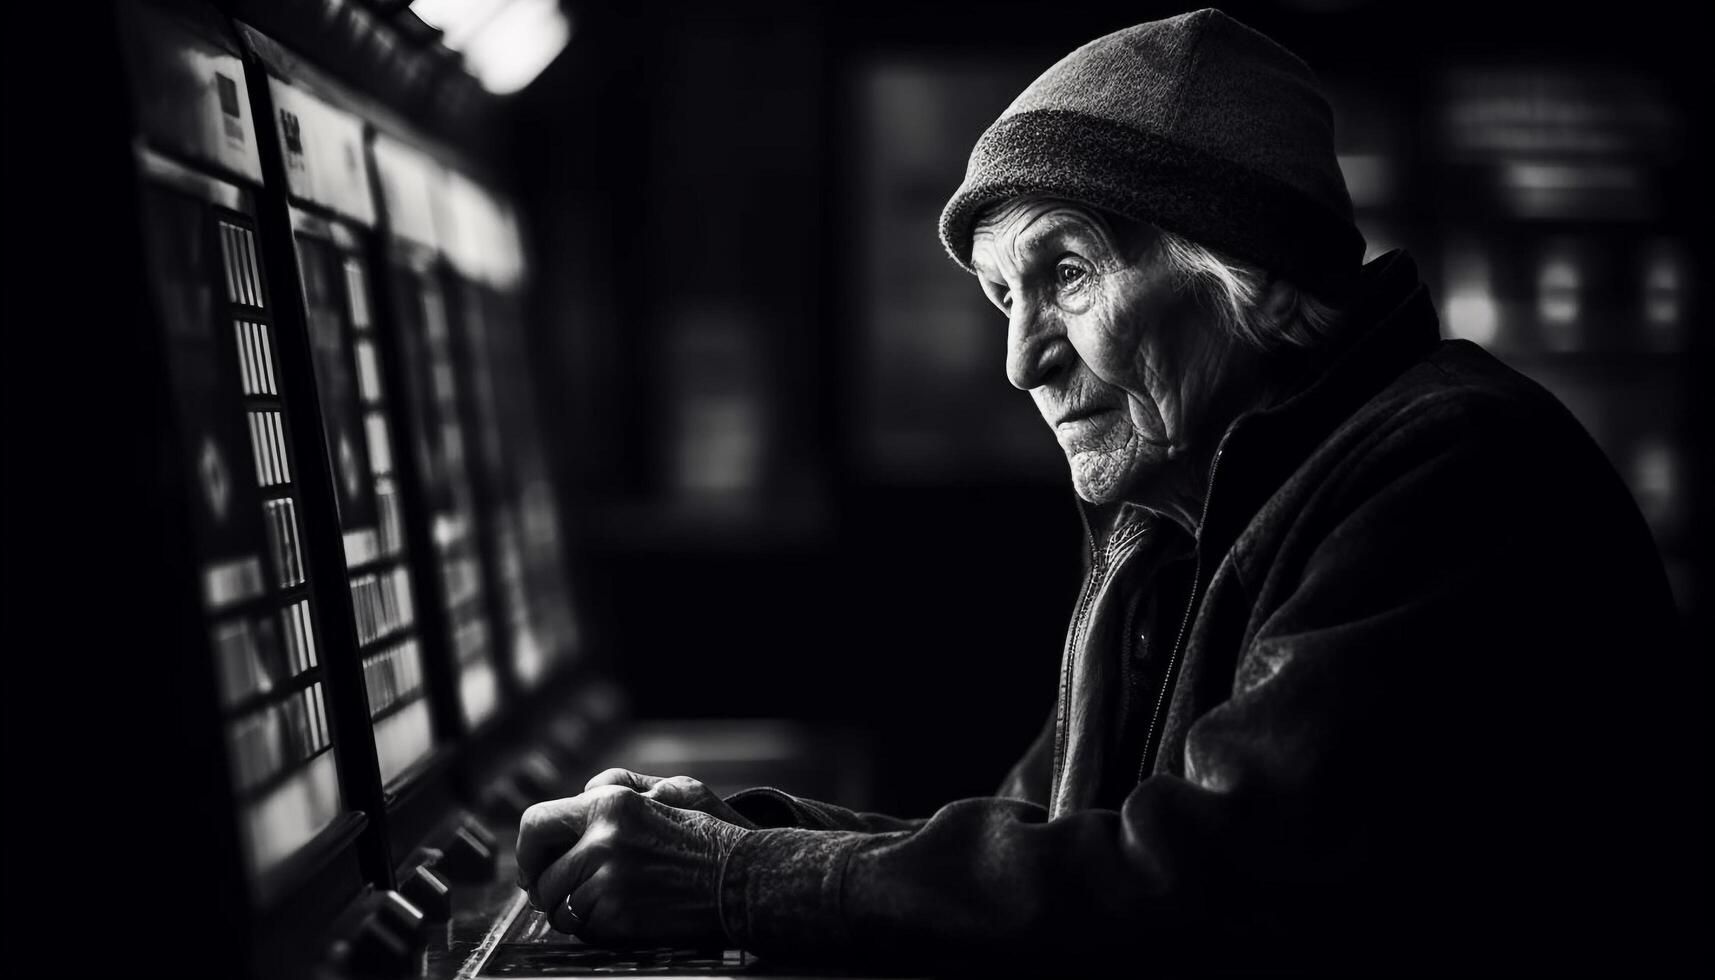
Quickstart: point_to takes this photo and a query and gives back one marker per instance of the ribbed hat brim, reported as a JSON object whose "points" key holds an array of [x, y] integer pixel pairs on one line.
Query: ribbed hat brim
{"points": [[1146, 177]]}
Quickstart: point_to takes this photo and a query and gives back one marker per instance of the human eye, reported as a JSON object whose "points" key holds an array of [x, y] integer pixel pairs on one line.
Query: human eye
{"points": [[1070, 274]]}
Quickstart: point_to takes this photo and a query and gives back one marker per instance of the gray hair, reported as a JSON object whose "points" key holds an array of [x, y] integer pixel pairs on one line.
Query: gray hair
{"points": [[1233, 292]]}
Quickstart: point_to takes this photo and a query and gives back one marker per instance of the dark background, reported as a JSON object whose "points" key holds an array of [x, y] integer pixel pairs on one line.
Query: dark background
{"points": [[796, 482]]}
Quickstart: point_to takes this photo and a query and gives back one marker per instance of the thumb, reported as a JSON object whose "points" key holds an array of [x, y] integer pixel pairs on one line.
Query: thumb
{"points": [[622, 777], [683, 792]]}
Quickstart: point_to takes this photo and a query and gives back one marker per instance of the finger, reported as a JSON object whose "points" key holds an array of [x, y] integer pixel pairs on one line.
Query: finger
{"points": [[562, 877], [691, 794], [575, 914], [680, 791], [549, 829], [545, 831], [622, 777]]}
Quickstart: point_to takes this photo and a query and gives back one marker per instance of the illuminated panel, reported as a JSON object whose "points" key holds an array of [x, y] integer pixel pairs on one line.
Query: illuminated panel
{"points": [[262, 623], [440, 455], [484, 249], [355, 417], [524, 540]]}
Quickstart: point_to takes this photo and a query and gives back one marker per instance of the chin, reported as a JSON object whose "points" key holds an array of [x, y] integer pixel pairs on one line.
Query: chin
{"points": [[1098, 478], [1093, 497]]}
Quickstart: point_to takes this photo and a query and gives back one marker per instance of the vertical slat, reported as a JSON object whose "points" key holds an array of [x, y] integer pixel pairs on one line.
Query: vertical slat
{"points": [[253, 360], [310, 639], [267, 358], [245, 378], [256, 447], [289, 529], [227, 265], [285, 455], [255, 270]]}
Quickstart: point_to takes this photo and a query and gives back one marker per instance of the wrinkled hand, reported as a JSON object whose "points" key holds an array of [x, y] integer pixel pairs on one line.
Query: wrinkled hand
{"points": [[636, 871], [680, 791]]}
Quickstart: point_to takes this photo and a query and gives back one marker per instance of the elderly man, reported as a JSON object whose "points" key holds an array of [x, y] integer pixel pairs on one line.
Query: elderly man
{"points": [[1370, 663]]}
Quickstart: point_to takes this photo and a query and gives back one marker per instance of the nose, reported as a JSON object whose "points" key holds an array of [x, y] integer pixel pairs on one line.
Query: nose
{"points": [[1031, 347]]}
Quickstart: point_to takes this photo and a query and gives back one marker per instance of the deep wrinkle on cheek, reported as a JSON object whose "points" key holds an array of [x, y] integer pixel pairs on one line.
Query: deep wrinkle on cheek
{"points": [[1112, 349], [1171, 360], [1143, 417]]}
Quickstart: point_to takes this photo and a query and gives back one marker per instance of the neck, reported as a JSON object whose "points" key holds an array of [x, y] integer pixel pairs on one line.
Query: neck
{"points": [[1178, 491]]}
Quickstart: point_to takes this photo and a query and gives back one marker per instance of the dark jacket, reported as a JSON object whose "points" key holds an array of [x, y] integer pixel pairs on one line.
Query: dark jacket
{"points": [[1406, 702]]}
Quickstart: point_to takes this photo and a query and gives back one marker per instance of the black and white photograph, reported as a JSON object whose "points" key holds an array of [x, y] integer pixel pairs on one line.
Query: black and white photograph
{"points": [[803, 488]]}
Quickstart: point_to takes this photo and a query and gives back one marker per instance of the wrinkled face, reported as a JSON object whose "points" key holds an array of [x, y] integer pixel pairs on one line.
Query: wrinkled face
{"points": [[1122, 363]]}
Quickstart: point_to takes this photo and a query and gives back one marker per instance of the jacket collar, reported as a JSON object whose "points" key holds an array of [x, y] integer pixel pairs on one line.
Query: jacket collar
{"points": [[1389, 325]]}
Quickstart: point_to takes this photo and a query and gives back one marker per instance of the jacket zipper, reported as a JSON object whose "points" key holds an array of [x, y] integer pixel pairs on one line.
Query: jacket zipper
{"points": [[1168, 677], [1098, 560]]}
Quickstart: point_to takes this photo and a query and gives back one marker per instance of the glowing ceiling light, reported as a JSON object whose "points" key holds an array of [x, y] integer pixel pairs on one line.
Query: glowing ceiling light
{"points": [[1557, 285], [1663, 286], [1470, 310], [1473, 316], [513, 46], [457, 20]]}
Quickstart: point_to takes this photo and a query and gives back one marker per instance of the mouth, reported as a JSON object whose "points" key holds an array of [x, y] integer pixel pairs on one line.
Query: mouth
{"points": [[1076, 416]]}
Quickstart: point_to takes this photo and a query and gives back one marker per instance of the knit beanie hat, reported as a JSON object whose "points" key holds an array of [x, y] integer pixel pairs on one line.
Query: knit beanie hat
{"points": [[1197, 124]]}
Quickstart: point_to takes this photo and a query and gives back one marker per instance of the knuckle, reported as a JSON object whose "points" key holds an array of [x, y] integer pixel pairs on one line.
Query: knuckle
{"points": [[624, 799], [530, 818], [608, 791], [600, 842], [539, 816], [599, 824], [607, 777]]}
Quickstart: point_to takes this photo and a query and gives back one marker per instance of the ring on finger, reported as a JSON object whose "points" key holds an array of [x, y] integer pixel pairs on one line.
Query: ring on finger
{"points": [[570, 914]]}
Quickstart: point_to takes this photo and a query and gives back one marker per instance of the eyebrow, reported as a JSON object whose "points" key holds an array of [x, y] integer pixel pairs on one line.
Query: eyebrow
{"points": [[1058, 224]]}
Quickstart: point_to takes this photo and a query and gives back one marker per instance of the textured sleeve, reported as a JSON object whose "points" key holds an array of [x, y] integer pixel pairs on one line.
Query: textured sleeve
{"points": [[772, 808], [1414, 770]]}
